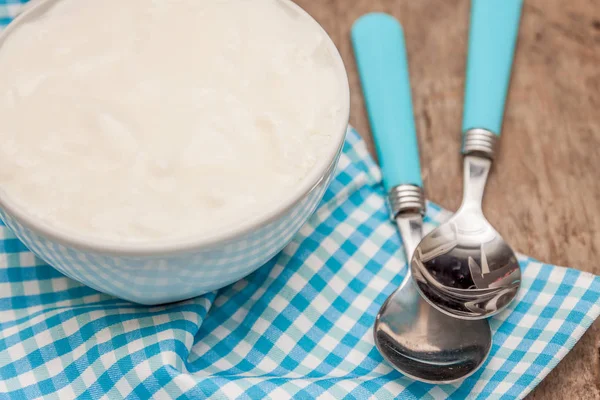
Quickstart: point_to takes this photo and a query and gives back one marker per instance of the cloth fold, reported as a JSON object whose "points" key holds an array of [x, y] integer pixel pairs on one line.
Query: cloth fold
{"points": [[299, 326]]}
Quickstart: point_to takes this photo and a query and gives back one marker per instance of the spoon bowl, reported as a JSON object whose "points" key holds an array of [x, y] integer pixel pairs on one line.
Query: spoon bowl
{"points": [[414, 337], [412, 334], [464, 268], [420, 341]]}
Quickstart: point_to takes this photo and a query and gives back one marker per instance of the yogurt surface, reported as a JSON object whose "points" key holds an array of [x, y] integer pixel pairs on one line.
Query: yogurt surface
{"points": [[139, 121]]}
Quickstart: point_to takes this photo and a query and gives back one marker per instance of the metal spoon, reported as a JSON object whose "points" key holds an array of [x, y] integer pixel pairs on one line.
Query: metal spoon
{"points": [[415, 338], [464, 268]]}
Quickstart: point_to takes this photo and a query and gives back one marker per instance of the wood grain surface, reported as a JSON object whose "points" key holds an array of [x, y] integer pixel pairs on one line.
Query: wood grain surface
{"points": [[544, 193]]}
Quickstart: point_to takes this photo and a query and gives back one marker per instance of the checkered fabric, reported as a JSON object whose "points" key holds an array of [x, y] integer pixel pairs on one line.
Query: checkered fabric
{"points": [[300, 326]]}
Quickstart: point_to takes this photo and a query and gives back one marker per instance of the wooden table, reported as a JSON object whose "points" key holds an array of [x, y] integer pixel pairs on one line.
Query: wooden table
{"points": [[544, 194]]}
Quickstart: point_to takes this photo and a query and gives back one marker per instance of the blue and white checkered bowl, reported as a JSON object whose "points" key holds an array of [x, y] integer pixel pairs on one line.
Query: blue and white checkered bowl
{"points": [[174, 271]]}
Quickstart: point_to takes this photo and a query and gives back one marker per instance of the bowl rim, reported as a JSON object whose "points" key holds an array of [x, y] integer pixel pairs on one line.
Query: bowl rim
{"points": [[320, 171]]}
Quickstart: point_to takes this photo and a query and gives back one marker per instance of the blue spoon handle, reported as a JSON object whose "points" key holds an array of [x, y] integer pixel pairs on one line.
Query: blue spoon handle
{"points": [[492, 37], [381, 58]]}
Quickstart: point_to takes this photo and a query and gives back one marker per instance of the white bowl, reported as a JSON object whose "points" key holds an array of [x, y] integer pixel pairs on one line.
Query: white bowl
{"points": [[177, 270]]}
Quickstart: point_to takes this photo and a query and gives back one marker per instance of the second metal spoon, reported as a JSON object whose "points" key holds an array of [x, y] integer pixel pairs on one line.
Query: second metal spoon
{"points": [[415, 338], [464, 268]]}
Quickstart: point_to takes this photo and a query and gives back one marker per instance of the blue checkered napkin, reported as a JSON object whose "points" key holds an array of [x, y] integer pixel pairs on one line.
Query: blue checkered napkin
{"points": [[300, 326]]}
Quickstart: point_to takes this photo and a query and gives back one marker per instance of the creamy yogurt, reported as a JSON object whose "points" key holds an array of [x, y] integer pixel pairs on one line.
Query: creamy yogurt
{"points": [[143, 120]]}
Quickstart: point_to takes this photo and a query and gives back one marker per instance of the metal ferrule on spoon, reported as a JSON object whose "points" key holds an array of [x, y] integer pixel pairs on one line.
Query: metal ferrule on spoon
{"points": [[415, 338]]}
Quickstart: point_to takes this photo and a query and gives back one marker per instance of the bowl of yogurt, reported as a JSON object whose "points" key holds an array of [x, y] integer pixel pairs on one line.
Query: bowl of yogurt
{"points": [[159, 150]]}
